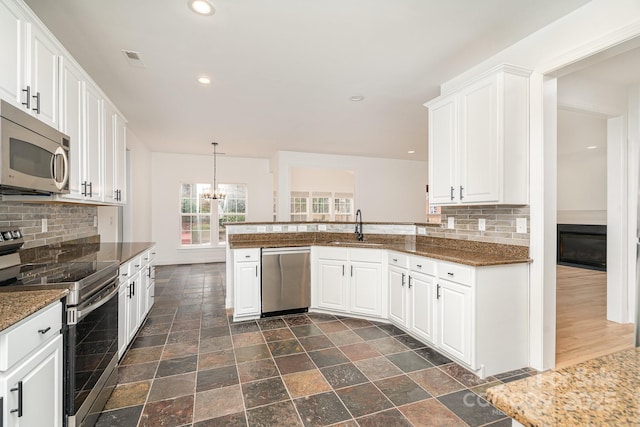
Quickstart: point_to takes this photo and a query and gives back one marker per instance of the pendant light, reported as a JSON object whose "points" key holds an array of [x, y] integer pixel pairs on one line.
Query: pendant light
{"points": [[215, 194]]}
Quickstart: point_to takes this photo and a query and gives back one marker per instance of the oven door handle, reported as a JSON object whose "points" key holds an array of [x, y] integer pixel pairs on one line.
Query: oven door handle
{"points": [[89, 306]]}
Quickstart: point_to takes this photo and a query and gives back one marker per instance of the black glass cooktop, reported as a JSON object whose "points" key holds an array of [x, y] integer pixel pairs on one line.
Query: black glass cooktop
{"points": [[51, 273]]}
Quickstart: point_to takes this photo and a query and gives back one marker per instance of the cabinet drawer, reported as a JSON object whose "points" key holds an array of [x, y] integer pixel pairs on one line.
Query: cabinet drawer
{"points": [[29, 334], [242, 255], [365, 255], [423, 265], [398, 259], [323, 252], [125, 272], [136, 264], [455, 273]]}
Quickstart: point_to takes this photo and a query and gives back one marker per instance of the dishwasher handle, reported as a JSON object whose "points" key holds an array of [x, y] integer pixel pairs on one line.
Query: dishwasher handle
{"points": [[285, 251]]}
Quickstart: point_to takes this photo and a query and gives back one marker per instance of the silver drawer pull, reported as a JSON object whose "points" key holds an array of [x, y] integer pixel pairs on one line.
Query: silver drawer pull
{"points": [[247, 256], [419, 265], [44, 331], [395, 259], [137, 265], [451, 274]]}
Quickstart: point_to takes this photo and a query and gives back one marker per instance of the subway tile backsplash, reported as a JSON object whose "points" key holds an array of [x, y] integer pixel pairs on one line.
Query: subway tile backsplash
{"points": [[500, 224], [64, 221]]}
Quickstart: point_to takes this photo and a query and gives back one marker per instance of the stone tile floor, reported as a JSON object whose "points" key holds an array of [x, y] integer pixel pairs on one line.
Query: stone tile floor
{"points": [[190, 366]]}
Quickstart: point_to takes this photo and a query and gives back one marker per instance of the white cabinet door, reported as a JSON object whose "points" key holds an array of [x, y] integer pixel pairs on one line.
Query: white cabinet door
{"points": [[479, 143], [93, 139], [133, 307], [123, 332], [39, 379], [109, 153], [120, 163], [12, 46], [71, 123], [398, 295], [44, 77], [442, 152], [366, 288], [454, 320], [247, 289], [422, 291], [142, 295], [333, 289]]}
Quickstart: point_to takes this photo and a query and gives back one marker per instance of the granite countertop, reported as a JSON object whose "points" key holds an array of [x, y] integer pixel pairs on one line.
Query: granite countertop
{"points": [[85, 251], [598, 392], [18, 305], [475, 254], [122, 252]]}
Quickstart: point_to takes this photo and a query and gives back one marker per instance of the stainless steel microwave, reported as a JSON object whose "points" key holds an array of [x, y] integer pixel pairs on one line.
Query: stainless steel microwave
{"points": [[34, 157]]}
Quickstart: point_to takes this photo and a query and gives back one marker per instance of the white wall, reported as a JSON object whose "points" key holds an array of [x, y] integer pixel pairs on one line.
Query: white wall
{"points": [[170, 170], [322, 180], [386, 190], [582, 172], [137, 213], [596, 26]]}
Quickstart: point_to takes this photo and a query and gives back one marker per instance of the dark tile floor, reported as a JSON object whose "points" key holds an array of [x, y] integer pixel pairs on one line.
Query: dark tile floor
{"points": [[189, 366]]}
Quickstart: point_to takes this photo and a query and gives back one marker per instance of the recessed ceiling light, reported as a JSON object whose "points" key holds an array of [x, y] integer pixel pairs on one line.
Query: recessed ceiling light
{"points": [[411, 152], [356, 98], [204, 80], [592, 147], [201, 7]]}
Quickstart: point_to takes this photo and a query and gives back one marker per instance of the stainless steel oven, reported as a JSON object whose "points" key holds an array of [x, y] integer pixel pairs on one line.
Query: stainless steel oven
{"points": [[91, 355], [34, 157]]}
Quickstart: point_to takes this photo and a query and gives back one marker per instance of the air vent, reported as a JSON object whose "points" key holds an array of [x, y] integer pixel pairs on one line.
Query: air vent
{"points": [[133, 58]]}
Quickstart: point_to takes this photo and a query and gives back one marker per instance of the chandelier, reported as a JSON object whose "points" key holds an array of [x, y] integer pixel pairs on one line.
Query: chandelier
{"points": [[215, 194]]}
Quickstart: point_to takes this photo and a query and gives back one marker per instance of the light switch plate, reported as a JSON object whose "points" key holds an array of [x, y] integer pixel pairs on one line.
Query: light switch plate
{"points": [[521, 225], [451, 222], [44, 225], [277, 228], [302, 228], [322, 227], [422, 230], [482, 224], [262, 229]]}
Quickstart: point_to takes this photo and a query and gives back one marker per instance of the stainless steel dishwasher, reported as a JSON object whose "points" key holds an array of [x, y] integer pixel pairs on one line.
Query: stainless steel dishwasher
{"points": [[286, 280]]}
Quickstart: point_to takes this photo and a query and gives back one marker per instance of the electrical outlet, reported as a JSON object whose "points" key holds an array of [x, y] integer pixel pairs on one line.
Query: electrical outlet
{"points": [[451, 223], [322, 227], [422, 231], [277, 228], [482, 224], [521, 225], [44, 225], [262, 229]]}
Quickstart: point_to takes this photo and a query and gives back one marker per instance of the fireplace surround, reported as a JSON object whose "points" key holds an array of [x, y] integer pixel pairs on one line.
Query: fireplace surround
{"points": [[583, 246]]}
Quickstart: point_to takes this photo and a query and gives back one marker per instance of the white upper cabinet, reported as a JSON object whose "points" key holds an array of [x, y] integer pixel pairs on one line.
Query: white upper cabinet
{"points": [[28, 64], [40, 77], [478, 141]]}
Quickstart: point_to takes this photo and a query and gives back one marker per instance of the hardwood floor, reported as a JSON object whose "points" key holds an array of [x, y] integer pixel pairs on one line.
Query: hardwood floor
{"points": [[582, 329]]}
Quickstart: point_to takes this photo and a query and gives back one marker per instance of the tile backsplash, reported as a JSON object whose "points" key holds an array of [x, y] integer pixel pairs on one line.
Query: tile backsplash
{"points": [[500, 224], [64, 221]]}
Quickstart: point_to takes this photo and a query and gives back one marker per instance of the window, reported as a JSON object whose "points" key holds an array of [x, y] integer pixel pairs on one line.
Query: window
{"points": [[342, 210], [198, 223], [320, 209], [195, 215], [299, 206], [233, 208]]}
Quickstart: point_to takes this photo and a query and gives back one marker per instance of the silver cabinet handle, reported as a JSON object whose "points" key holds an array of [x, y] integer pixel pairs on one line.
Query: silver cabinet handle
{"points": [[451, 192], [409, 281], [45, 330], [438, 292], [419, 265], [28, 91], [461, 188], [403, 276], [450, 274], [256, 271], [19, 408], [37, 98]]}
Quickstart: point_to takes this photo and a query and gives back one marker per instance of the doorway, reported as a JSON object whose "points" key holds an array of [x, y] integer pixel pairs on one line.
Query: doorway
{"points": [[595, 177]]}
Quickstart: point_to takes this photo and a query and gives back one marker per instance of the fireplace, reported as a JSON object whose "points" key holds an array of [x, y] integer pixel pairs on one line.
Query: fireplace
{"points": [[583, 246]]}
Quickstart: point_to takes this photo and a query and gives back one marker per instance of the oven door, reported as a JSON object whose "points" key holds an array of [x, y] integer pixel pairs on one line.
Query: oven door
{"points": [[31, 161], [92, 356]]}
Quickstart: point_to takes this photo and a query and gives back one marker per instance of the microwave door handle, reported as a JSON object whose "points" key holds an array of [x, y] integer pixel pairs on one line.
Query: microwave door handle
{"points": [[60, 169]]}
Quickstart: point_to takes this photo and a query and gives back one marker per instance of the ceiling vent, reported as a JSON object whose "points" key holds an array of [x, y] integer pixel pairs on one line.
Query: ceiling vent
{"points": [[133, 58]]}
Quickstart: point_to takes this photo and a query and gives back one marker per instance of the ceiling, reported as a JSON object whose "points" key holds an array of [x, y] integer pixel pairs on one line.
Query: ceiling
{"points": [[283, 71]]}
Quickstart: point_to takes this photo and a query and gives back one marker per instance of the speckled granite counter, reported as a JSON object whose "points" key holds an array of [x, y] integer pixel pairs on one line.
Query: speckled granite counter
{"points": [[18, 305], [476, 254], [122, 252], [85, 250], [599, 392]]}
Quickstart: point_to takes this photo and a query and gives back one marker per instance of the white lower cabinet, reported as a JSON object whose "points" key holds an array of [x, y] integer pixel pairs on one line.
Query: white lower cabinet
{"points": [[350, 281], [398, 294], [31, 385], [422, 306], [454, 320], [246, 280], [135, 297]]}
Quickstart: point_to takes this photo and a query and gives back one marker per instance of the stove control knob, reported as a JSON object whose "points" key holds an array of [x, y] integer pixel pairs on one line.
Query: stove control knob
{"points": [[7, 235], [17, 234]]}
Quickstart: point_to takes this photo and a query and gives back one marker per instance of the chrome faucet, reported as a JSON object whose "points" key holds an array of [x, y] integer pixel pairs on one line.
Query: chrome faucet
{"points": [[359, 225]]}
